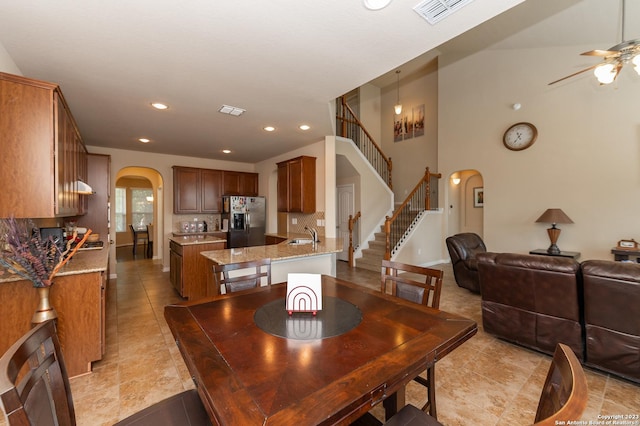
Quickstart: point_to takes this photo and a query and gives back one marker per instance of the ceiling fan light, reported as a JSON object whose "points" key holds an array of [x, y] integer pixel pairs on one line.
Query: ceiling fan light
{"points": [[605, 73], [636, 61]]}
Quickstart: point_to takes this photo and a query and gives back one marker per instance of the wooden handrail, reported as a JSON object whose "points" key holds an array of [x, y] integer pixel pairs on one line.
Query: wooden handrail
{"points": [[352, 221], [352, 128], [418, 201]]}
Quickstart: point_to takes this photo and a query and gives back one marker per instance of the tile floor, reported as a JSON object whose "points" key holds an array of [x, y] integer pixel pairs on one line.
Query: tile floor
{"points": [[142, 364]]}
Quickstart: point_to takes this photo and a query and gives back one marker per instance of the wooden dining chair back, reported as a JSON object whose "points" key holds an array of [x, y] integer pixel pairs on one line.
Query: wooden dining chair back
{"points": [[247, 275], [416, 283], [564, 394], [34, 388], [421, 285], [139, 236]]}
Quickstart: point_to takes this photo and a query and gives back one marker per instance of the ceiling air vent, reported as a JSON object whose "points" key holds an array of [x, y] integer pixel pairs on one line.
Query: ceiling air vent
{"points": [[435, 11]]}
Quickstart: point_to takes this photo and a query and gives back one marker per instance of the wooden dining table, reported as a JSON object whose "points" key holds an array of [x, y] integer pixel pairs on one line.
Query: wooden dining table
{"points": [[246, 375]]}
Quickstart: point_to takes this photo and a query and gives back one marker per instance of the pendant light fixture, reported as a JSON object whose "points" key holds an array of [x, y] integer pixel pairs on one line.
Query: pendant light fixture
{"points": [[398, 106]]}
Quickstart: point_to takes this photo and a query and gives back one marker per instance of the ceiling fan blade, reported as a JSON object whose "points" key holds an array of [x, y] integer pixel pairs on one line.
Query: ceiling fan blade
{"points": [[599, 52], [574, 74]]}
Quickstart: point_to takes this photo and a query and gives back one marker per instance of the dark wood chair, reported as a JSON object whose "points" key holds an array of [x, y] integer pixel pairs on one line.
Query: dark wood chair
{"points": [[564, 395], [233, 283], [34, 388], [150, 241], [139, 235], [420, 285]]}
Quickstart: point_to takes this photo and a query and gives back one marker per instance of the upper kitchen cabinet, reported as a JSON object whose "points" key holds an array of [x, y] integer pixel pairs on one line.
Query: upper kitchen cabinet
{"points": [[43, 156], [297, 185], [196, 190], [240, 183]]}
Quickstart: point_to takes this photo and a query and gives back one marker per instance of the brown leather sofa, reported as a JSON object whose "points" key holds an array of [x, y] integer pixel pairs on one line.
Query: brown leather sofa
{"points": [[534, 301], [538, 301], [463, 249], [612, 316]]}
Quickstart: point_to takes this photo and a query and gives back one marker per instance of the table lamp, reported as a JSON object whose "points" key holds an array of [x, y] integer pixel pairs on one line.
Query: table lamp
{"points": [[553, 216]]}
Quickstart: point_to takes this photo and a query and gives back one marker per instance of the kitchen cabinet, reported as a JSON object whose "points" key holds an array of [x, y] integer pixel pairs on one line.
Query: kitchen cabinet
{"points": [[43, 156], [240, 183], [96, 217], [297, 185], [196, 190], [200, 190], [80, 302], [188, 269]]}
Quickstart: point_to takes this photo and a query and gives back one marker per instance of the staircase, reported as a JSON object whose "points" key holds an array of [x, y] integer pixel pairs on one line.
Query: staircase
{"points": [[372, 257]]}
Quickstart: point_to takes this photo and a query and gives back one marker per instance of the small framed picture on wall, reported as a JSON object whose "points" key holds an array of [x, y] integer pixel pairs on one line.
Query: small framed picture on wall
{"points": [[478, 197]]}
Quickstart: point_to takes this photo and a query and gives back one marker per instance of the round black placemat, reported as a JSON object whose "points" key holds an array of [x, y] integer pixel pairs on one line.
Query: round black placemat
{"points": [[336, 317]]}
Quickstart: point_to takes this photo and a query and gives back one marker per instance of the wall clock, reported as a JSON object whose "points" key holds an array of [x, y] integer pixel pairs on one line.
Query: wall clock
{"points": [[520, 136]]}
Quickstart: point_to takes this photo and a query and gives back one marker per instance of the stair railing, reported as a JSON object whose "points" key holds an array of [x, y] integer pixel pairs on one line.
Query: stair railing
{"points": [[419, 200], [353, 220], [350, 127]]}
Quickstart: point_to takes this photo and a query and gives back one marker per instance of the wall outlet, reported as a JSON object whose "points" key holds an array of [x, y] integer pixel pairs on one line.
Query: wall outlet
{"points": [[294, 221], [419, 251], [319, 222]]}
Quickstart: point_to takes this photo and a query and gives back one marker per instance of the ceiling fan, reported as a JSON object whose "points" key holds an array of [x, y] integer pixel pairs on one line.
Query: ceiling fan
{"points": [[627, 51]]}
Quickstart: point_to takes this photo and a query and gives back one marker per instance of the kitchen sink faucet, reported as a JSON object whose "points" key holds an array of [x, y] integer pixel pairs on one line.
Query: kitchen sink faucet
{"points": [[313, 232]]}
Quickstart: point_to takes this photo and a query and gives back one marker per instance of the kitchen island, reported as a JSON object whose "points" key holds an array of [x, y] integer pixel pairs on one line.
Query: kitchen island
{"points": [[318, 258], [78, 295], [188, 270]]}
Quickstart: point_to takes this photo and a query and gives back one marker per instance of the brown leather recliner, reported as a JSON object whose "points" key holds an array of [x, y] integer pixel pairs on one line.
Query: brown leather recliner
{"points": [[463, 249], [612, 323], [534, 301]]}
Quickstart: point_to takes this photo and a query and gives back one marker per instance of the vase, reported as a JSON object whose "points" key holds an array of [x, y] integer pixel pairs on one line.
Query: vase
{"points": [[45, 311]]}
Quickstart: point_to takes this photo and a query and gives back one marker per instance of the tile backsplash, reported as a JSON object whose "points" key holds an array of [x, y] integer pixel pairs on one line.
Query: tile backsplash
{"points": [[310, 220]]}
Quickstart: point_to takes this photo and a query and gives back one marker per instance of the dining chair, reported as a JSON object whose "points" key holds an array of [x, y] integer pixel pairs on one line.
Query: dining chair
{"points": [[421, 285], [35, 390], [564, 395], [150, 241], [242, 280], [139, 236]]}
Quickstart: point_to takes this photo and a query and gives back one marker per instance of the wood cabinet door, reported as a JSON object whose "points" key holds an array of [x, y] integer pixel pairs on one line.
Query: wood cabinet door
{"points": [[211, 181], [186, 190], [249, 184], [283, 187], [231, 183], [175, 271], [295, 186]]}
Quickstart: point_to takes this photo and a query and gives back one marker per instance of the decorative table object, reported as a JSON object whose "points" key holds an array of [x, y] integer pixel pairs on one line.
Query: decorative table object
{"points": [[24, 253], [304, 293]]}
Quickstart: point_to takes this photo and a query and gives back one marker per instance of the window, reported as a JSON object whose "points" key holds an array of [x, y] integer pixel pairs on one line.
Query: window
{"points": [[121, 209], [141, 207]]}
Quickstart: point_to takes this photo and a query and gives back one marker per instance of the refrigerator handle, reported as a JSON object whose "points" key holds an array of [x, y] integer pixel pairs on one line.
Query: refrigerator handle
{"points": [[247, 223]]}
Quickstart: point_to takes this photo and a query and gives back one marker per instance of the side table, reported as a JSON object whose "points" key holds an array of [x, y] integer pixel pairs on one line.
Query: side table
{"points": [[543, 252], [620, 255]]}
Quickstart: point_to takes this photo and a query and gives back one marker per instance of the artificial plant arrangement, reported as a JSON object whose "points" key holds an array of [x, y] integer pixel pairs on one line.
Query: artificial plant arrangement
{"points": [[24, 253]]}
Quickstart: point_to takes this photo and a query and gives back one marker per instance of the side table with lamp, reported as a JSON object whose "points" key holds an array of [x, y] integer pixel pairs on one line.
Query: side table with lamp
{"points": [[554, 216]]}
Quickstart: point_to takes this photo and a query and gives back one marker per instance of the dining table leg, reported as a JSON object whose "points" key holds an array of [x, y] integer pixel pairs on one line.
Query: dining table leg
{"points": [[394, 403]]}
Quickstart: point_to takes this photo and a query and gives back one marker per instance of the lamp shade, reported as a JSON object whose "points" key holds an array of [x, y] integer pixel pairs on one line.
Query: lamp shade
{"points": [[554, 216]]}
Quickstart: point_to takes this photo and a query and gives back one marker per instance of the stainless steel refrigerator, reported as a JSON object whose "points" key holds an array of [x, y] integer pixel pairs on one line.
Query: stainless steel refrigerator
{"points": [[247, 220]]}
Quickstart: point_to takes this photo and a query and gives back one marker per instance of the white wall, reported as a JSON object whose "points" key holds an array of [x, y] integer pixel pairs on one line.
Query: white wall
{"points": [[585, 161], [6, 62]]}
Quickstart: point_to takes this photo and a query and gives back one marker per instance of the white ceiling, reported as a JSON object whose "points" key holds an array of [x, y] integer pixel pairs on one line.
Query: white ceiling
{"points": [[284, 61]]}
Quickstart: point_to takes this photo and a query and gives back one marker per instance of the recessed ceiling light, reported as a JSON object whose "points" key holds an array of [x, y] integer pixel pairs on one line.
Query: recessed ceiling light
{"points": [[304, 127], [231, 110], [144, 140], [376, 4], [226, 151], [158, 105], [269, 128]]}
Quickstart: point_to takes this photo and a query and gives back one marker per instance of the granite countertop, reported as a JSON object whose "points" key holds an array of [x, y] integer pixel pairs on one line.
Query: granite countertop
{"points": [[197, 234], [188, 240], [275, 252], [83, 262]]}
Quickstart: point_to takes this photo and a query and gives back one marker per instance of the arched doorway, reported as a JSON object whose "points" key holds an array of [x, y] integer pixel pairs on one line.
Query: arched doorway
{"points": [[466, 202], [138, 200]]}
